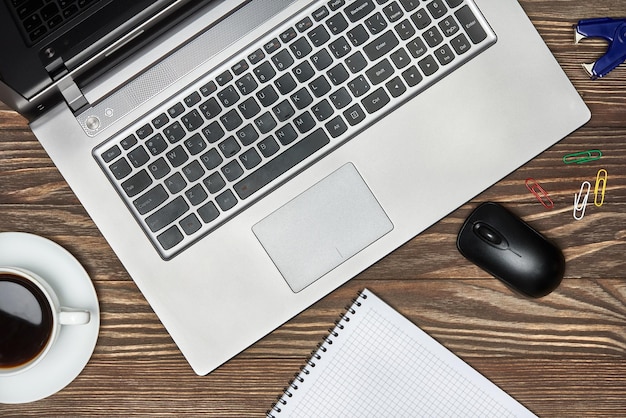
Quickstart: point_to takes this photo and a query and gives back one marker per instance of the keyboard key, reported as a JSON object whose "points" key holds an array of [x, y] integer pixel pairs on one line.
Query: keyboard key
{"points": [[285, 83], [150, 200], [267, 96], [338, 74], [301, 48], [210, 109], [412, 76], [226, 200], [323, 110], [208, 212], [335, 4], [246, 84], [256, 56], [359, 9], [128, 142], [286, 135], [337, 24], [112, 153], [175, 183], [410, 5], [400, 58], [321, 60], [395, 87], [320, 86], [320, 13], [138, 156], [174, 132], [283, 111], [282, 60], [145, 131], [160, 121], [159, 168], [428, 65], [137, 183], [170, 238], [196, 195], [272, 46], [404, 29], [380, 46], [228, 96], [211, 159], [268, 146], [192, 120], [224, 78], [472, 26], [214, 183], [336, 126], [195, 144], [417, 47], [177, 156], [281, 164], [376, 100], [232, 170], [340, 48], [167, 214], [176, 110], [304, 122], [304, 72], [264, 72], [356, 62], [120, 168], [376, 24], [240, 67], [208, 88], [454, 3], [393, 12], [156, 144], [213, 132], [354, 115], [460, 44], [359, 86], [231, 120], [318, 36], [380, 72], [190, 224], [265, 123], [301, 98], [288, 35], [340, 98], [229, 147], [444, 55], [449, 26], [249, 108], [304, 24], [192, 99], [193, 171], [433, 37], [358, 35], [437, 8], [247, 135], [250, 159], [421, 19]]}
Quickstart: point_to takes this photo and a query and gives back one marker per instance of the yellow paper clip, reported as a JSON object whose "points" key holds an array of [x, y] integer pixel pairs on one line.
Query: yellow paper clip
{"points": [[538, 191], [600, 188], [582, 157], [579, 207]]}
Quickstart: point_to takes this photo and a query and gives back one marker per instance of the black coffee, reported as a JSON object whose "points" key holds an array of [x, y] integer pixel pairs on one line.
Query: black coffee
{"points": [[25, 321]]}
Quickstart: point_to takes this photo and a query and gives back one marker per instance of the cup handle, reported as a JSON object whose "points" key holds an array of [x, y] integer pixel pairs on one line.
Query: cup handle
{"points": [[71, 317]]}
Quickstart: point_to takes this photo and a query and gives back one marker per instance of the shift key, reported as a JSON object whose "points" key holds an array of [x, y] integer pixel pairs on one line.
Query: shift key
{"points": [[167, 214], [471, 25]]}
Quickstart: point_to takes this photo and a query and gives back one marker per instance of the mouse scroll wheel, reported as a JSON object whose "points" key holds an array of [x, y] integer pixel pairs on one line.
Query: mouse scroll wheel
{"points": [[488, 233]]}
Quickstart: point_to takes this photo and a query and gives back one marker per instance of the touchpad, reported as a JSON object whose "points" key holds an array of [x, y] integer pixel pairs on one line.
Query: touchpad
{"points": [[322, 227]]}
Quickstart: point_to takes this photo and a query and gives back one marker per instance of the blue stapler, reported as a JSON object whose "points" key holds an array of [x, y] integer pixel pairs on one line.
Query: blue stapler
{"points": [[613, 31]]}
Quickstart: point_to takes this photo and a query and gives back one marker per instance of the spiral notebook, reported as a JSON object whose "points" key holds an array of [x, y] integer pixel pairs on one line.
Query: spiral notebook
{"points": [[377, 363]]}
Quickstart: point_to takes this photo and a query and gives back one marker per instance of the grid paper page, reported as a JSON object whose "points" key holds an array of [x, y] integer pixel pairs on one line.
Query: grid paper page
{"points": [[381, 364]]}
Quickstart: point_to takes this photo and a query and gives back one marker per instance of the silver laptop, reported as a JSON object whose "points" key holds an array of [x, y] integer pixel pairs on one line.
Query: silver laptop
{"points": [[245, 158]]}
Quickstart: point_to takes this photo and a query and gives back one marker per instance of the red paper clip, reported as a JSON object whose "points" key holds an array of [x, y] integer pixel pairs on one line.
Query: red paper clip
{"points": [[541, 195]]}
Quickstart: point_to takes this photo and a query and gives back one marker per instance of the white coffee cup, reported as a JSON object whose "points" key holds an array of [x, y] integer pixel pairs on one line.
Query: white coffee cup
{"points": [[32, 318]]}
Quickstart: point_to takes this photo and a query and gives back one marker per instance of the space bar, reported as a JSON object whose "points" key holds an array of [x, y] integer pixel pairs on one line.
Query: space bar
{"points": [[280, 164]]}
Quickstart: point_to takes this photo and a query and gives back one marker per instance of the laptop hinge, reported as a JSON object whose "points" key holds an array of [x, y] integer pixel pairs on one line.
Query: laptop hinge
{"points": [[72, 94]]}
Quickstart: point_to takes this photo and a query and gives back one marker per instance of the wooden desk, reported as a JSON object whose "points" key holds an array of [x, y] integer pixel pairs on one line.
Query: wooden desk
{"points": [[562, 355]]}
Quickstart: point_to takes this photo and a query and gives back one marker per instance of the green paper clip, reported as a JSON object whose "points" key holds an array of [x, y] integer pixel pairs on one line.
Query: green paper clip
{"points": [[582, 157]]}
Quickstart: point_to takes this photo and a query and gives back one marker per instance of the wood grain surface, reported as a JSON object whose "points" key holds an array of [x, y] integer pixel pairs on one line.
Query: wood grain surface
{"points": [[562, 356]]}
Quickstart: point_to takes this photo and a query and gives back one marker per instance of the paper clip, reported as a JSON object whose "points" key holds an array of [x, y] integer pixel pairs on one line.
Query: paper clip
{"points": [[541, 195], [601, 179], [582, 157], [579, 207]]}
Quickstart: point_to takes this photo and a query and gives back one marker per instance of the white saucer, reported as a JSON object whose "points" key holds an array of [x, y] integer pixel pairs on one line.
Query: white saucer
{"points": [[75, 344]]}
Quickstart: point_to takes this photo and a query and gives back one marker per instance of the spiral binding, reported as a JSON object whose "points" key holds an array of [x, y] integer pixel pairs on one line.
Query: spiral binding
{"points": [[316, 355]]}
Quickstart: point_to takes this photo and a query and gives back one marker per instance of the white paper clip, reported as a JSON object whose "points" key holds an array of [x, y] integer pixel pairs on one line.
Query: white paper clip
{"points": [[579, 207]]}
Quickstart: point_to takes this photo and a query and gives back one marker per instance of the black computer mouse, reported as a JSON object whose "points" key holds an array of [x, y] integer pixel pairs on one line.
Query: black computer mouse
{"points": [[509, 249]]}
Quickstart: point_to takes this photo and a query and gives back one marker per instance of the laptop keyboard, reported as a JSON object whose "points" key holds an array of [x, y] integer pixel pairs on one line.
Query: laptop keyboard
{"points": [[305, 88], [39, 17]]}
